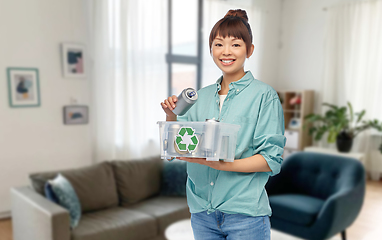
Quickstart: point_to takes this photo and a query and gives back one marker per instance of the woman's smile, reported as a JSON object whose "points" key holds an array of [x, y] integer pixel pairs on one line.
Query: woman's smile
{"points": [[227, 62]]}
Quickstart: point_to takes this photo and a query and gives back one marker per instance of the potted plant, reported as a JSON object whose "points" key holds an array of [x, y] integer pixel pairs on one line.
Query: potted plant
{"points": [[378, 126], [341, 125]]}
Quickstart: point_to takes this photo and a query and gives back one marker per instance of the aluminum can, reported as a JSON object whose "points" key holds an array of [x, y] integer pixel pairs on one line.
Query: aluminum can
{"points": [[211, 133], [224, 147], [186, 99], [172, 131]]}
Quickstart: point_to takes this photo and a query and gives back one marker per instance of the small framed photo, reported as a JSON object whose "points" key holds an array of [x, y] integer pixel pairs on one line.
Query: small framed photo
{"points": [[76, 114], [73, 60], [23, 87]]}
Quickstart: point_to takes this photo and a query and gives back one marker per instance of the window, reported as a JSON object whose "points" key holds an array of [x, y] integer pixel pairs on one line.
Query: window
{"points": [[184, 57]]}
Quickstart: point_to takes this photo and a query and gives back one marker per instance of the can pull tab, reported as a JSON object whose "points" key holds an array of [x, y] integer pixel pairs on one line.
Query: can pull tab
{"points": [[191, 94]]}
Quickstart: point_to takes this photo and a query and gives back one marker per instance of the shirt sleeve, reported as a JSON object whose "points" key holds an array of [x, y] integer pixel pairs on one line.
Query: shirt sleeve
{"points": [[269, 139], [183, 118]]}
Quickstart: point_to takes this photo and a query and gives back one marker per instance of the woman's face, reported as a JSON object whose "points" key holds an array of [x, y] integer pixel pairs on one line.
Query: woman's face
{"points": [[229, 54]]}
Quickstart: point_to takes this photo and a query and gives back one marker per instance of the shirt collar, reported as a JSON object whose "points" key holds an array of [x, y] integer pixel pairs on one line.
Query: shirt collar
{"points": [[239, 85]]}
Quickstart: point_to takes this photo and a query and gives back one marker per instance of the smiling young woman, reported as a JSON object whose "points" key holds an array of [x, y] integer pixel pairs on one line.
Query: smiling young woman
{"points": [[230, 45], [228, 200]]}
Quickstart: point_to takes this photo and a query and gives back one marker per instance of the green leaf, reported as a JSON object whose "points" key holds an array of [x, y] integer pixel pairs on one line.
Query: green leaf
{"points": [[330, 105], [312, 130], [360, 115], [319, 134], [351, 112], [332, 136]]}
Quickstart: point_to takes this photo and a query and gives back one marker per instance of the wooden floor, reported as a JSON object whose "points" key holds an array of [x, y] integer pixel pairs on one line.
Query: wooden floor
{"points": [[370, 218], [368, 221], [6, 230]]}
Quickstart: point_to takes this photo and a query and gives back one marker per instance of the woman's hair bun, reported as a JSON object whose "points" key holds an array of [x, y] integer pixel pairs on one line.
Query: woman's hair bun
{"points": [[237, 13]]}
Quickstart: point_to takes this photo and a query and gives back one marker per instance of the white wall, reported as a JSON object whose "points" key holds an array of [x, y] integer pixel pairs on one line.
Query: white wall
{"points": [[302, 44], [267, 64], [35, 139]]}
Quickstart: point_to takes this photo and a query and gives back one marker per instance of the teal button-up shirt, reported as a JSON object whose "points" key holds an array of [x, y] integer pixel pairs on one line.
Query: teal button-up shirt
{"points": [[255, 106]]}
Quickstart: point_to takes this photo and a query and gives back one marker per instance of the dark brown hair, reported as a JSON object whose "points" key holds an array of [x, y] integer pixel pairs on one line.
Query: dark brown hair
{"points": [[234, 24]]}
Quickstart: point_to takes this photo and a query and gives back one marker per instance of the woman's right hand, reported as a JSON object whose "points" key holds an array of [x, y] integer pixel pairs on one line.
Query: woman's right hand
{"points": [[168, 105]]}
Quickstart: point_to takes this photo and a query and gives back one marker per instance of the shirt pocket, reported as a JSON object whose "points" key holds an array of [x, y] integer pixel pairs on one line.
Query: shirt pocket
{"points": [[245, 134]]}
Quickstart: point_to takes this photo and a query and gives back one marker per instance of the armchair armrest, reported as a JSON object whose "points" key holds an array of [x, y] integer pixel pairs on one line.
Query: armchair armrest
{"points": [[341, 209], [36, 218]]}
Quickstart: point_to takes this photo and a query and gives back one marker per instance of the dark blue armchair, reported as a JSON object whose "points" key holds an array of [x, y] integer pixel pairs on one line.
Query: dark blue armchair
{"points": [[316, 196]]}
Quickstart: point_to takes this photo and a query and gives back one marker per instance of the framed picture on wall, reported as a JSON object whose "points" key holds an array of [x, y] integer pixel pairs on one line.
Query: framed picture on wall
{"points": [[76, 114], [73, 60], [23, 87]]}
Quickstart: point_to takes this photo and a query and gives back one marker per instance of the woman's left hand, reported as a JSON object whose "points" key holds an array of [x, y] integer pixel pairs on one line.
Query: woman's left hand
{"points": [[213, 164]]}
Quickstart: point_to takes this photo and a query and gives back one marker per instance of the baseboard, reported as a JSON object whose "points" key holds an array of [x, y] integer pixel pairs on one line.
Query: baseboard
{"points": [[5, 215]]}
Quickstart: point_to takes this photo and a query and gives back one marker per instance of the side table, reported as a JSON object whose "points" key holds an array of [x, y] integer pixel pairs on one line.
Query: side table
{"points": [[358, 156], [180, 230]]}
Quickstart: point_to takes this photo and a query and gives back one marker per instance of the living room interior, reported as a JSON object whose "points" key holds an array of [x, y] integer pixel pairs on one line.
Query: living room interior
{"points": [[97, 71]]}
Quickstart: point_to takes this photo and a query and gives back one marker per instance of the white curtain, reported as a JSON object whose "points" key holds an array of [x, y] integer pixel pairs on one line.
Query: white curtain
{"points": [[128, 47], [215, 10], [353, 63], [353, 57]]}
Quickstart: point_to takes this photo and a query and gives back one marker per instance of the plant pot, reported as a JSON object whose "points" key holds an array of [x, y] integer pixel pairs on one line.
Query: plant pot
{"points": [[344, 142]]}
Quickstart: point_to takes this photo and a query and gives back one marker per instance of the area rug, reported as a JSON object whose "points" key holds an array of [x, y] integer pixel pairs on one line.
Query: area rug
{"points": [[276, 235], [182, 230]]}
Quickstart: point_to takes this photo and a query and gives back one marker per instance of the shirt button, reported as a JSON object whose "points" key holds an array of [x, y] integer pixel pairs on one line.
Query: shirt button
{"points": [[212, 183], [237, 90]]}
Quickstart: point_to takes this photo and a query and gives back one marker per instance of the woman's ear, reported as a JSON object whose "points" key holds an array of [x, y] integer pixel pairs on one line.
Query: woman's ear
{"points": [[251, 51]]}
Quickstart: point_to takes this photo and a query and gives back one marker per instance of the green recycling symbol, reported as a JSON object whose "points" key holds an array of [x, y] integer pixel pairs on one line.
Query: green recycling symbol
{"points": [[186, 140]]}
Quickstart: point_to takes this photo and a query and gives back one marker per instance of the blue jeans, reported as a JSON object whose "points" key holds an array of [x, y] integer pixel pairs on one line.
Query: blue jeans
{"points": [[218, 225]]}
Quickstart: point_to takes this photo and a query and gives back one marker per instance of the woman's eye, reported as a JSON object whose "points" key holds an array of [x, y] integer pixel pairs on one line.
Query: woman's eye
{"points": [[236, 45], [218, 45]]}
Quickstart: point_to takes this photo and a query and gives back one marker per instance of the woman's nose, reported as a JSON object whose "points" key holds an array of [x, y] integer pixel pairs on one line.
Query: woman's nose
{"points": [[226, 50]]}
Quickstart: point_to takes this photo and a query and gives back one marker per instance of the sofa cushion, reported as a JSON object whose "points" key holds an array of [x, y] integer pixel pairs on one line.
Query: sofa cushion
{"points": [[115, 224], [174, 178], [94, 185], [137, 179], [165, 209], [300, 209]]}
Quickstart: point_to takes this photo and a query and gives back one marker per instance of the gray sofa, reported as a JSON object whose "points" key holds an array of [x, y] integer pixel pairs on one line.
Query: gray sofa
{"points": [[120, 200]]}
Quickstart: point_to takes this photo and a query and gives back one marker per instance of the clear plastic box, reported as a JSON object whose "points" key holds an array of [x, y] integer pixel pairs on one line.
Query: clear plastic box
{"points": [[211, 140]]}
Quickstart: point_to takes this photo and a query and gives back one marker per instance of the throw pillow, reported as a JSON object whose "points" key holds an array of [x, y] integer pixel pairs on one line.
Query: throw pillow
{"points": [[174, 177], [67, 198], [49, 194]]}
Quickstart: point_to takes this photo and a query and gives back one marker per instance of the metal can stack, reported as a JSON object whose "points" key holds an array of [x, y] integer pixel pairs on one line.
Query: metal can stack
{"points": [[212, 140]]}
